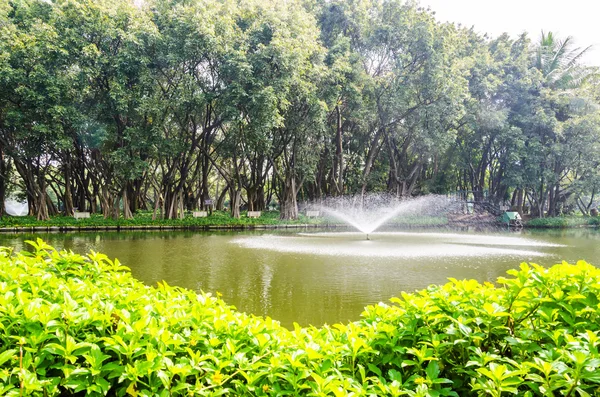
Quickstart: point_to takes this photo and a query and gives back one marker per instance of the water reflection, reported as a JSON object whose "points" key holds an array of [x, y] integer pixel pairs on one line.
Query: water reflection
{"points": [[317, 277]]}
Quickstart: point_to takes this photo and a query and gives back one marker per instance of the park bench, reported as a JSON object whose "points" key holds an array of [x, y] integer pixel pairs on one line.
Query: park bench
{"points": [[81, 215], [200, 214], [254, 214], [313, 214]]}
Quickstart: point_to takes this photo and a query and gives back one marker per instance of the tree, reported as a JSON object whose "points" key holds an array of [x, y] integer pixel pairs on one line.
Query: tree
{"points": [[36, 99], [112, 36], [559, 62], [105, 105], [548, 150]]}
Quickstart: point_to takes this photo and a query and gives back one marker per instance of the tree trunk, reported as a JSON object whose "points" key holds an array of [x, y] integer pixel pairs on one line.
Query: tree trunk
{"points": [[82, 191], [289, 205], [373, 153], [170, 204], [236, 201], [3, 180], [173, 198], [68, 195], [181, 211], [320, 184], [204, 188], [106, 202], [52, 210], [256, 198], [413, 178], [94, 198], [115, 207], [221, 200], [156, 203], [126, 203], [553, 200], [337, 180], [251, 194], [36, 189], [41, 202], [260, 202], [520, 200]]}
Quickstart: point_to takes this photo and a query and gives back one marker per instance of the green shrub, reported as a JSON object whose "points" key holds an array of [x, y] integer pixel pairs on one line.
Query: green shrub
{"points": [[594, 221], [562, 222], [144, 218], [73, 325]]}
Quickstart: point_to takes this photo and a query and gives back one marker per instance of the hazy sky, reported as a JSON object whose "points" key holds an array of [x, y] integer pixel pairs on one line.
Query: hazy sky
{"points": [[577, 18]]}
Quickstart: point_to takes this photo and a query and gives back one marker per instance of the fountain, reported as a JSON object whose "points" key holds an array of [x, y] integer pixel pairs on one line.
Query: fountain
{"points": [[373, 211], [369, 215], [329, 272], [324, 275]]}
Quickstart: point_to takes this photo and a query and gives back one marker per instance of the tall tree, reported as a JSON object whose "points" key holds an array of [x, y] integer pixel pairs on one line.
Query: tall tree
{"points": [[559, 61], [36, 97]]}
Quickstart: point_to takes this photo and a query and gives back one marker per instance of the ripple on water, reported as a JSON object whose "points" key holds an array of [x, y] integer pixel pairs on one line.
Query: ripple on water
{"points": [[397, 245], [455, 238]]}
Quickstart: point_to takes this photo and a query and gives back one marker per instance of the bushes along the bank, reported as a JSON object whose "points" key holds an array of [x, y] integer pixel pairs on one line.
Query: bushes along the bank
{"points": [[563, 222], [144, 218], [84, 326], [216, 219]]}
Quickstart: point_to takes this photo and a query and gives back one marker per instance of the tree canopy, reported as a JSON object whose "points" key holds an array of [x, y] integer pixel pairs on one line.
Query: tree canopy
{"points": [[113, 106]]}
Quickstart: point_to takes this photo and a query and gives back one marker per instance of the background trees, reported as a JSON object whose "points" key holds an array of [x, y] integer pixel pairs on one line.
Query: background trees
{"points": [[112, 107]]}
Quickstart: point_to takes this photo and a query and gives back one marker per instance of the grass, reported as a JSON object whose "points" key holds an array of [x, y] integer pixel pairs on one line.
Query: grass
{"points": [[224, 219], [563, 222], [144, 218], [218, 218]]}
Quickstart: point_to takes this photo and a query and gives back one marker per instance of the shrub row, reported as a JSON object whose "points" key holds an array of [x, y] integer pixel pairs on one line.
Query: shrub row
{"points": [[218, 218], [75, 325], [563, 222], [144, 218]]}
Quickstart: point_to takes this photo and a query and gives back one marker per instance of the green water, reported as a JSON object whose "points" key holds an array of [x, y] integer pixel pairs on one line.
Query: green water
{"points": [[317, 277]]}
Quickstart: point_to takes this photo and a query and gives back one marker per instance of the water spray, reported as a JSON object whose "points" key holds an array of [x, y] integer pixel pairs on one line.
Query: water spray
{"points": [[372, 211]]}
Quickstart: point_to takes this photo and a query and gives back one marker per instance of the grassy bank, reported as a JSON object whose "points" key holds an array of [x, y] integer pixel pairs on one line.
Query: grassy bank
{"points": [[74, 324], [141, 219], [563, 222], [217, 219], [222, 219]]}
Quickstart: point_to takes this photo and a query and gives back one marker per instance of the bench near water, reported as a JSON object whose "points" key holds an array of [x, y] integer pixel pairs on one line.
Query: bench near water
{"points": [[313, 214], [254, 214], [81, 215], [200, 214]]}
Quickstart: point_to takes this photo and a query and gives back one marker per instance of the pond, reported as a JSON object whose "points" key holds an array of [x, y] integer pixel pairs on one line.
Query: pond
{"points": [[315, 277]]}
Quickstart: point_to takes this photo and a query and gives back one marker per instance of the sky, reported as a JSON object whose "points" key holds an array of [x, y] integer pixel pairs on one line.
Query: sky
{"points": [[577, 18]]}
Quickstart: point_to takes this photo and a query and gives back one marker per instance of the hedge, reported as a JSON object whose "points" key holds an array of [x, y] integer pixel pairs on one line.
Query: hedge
{"points": [[82, 325]]}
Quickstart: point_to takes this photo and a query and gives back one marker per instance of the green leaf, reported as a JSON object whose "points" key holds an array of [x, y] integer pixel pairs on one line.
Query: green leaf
{"points": [[7, 355]]}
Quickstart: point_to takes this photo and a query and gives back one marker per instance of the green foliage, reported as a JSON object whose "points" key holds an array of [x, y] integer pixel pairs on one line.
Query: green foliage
{"points": [[71, 324], [563, 222], [144, 218], [108, 105], [218, 218]]}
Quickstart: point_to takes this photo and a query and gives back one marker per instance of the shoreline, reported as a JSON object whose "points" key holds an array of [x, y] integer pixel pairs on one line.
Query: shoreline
{"points": [[460, 222], [231, 227], [158, 227], [67, 229]]}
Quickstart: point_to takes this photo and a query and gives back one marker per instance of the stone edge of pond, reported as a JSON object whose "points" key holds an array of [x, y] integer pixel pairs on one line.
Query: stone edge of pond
{"points": [[70, 228]]}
